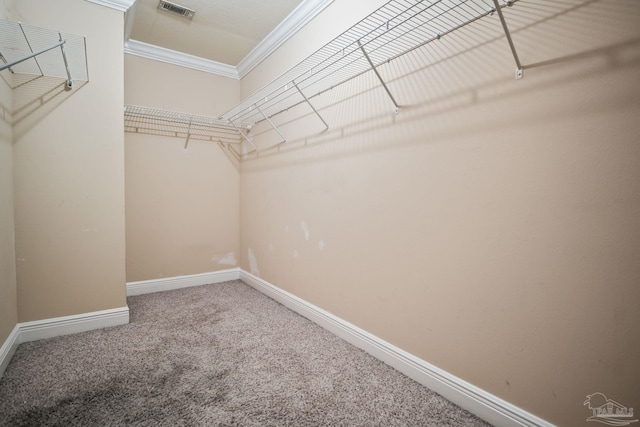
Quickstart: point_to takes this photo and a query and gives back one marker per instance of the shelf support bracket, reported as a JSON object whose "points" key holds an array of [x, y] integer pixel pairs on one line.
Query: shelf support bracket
{"points": [[69, 84], [244, 136], [375, 70], [312, 107], [271, 123], [519, 70], [188, 134]]}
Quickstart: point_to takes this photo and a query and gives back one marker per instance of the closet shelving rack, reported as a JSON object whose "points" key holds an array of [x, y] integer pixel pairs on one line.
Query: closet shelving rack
{"points": [[396, 28], [393, 30], [156, 121], [28, 52]]}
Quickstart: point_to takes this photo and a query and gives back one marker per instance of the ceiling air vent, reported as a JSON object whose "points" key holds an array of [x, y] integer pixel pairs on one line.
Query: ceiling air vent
{"points": [[177, 9]]}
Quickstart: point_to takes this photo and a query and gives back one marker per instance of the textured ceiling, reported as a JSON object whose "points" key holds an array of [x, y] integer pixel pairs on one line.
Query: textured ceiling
{"points": [[224, 31]]}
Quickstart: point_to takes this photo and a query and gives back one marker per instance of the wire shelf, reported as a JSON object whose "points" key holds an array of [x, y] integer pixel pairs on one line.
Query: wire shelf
{"points": [[27, 51], [155, 121], [393, 30]]}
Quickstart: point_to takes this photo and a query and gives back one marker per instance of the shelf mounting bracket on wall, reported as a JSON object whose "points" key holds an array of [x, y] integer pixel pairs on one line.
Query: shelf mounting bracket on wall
{"points": [[244, 136], [69, 84], [375, 70], [271, 123], [312, 107], [186, 143], [519, 70]]}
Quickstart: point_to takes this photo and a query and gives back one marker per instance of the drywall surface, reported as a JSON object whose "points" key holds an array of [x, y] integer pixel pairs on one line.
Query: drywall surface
{"points": [[183, 206], [69, 173], [492, 227], [170, 87], [8, 297]]}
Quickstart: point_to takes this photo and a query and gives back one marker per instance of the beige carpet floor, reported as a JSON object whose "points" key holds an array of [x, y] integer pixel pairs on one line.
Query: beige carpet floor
{"points": [[215, 355]]}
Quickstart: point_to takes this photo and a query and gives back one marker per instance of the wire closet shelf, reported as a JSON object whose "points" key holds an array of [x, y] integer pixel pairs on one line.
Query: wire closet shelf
{"points": [[28, 52], [156, 121], [396, 28]]}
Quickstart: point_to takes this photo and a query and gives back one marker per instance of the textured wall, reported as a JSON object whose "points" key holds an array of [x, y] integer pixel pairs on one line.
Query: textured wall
{"points": [[492, 228], [69, 174], [182, 205]]}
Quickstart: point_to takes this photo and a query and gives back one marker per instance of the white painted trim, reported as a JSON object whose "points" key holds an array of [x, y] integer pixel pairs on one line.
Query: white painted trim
{"points": [[129, 18], [301, 15], [9, 348], [121, 5], [482, 403], [169, 283], [49, 328], [57, 326], [157, 53]]}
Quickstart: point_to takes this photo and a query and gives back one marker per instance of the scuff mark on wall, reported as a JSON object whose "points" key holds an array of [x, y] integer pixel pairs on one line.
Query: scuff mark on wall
{"points": [[321, 244], [305, 229], [228, 259], [253, 264], [295, 253]]}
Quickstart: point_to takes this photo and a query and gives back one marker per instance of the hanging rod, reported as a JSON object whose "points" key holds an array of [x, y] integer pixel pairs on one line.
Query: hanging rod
{"points": [[154, 121], [396, 28], [30, 50]]}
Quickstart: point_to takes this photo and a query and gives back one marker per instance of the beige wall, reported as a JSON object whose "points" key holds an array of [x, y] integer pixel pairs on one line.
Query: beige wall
{"points": [[182, 210], [8, 298], [492, 228], [69, 175]]}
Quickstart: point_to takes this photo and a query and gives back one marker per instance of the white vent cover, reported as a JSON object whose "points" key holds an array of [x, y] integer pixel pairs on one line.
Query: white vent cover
{"points": [[177, 9]]}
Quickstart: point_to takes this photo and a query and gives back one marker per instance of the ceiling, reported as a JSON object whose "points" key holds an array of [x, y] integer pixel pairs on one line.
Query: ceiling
{"points": [[221, 31]]}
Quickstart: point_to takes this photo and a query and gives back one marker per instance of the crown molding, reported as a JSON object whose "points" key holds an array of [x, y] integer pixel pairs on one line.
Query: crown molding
{"points": [[157, 53], [301, 15], [121, 5]]}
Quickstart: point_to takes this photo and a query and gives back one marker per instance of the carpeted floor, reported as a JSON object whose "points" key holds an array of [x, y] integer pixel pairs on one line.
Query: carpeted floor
{"points": [[215, 355]]}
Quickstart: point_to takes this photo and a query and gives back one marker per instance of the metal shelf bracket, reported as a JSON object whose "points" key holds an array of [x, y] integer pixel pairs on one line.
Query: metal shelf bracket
{"points": [[312, 107], [244, 136], [69, 84], [271, 123], [186, 143], [375, 70], [519, 69]]}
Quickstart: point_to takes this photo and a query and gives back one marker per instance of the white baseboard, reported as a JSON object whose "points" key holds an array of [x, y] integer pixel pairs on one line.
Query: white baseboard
{"points": [[49, 328], [485, 405], [8, 349], [477, 401], [169, 283]]}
